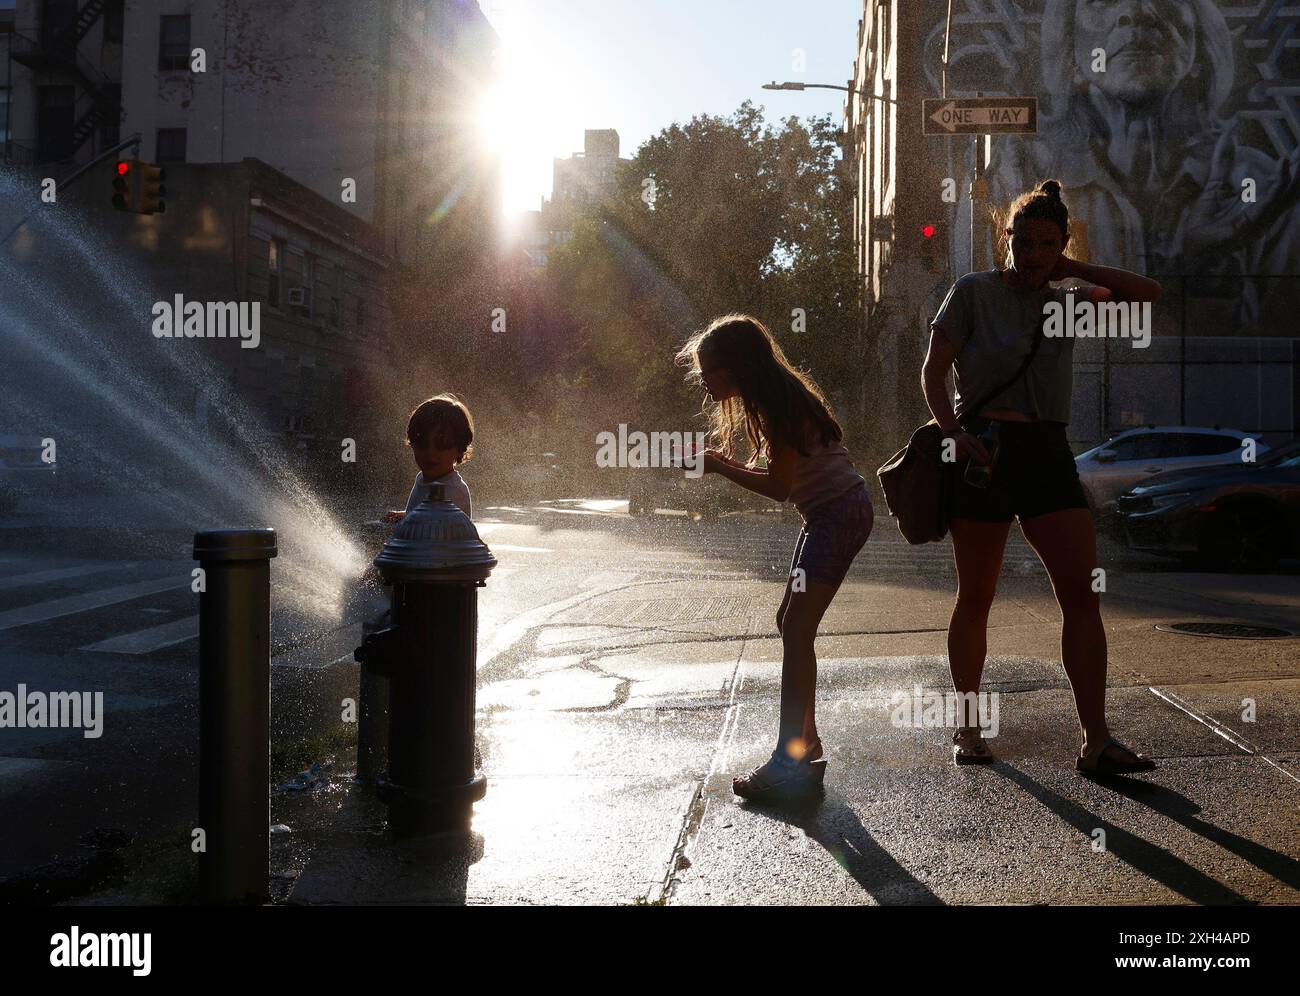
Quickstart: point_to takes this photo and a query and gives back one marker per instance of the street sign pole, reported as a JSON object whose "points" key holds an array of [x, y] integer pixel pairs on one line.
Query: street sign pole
{"points": [[979, 117], [979, 194]]}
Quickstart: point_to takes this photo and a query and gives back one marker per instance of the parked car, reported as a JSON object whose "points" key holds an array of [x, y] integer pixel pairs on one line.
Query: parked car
{"points": [[1238, 517], [1128, 458], [22, 471]]}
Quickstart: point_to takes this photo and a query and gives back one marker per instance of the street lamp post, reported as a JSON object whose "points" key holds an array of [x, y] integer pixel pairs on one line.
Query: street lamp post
{"points": [[774, 85]]}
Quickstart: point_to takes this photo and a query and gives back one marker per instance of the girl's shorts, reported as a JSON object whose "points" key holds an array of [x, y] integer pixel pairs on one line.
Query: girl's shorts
{"points": [[832, 535]]}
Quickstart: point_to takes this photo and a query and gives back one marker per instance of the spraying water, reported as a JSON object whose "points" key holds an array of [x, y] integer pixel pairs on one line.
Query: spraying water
{"points": [[80, 366]]}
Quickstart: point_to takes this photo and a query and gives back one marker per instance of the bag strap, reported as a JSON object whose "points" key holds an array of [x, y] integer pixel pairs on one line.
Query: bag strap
{"points": [[968, 410]]}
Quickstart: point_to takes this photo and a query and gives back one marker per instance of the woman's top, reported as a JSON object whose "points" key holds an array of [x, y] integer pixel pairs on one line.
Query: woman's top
{"points": [[825, 473], [991, 325], [455, 490]]}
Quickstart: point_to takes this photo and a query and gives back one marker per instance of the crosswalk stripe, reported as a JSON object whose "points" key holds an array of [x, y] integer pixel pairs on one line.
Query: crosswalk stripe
{"points": [[72, 604], [145, 641], [60, 574]]}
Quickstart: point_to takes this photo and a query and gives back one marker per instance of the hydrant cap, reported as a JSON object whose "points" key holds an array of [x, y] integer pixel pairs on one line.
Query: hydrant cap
{"points": [[435, 542]]}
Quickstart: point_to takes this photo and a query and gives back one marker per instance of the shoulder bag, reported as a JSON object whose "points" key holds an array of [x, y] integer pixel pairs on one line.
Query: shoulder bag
{"points": [[916, 486]]}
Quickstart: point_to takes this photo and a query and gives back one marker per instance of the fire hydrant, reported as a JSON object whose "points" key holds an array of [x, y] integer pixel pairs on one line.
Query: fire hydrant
{"points": [[436, 563]]}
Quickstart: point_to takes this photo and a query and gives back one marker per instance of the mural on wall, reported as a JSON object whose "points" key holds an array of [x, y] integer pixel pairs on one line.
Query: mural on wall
{"points": [[1196, 111]]}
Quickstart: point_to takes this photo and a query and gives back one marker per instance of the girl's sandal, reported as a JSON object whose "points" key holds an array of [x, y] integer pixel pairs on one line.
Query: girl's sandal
{"points": [[794, 777], [968, 747], [1101, 762]]}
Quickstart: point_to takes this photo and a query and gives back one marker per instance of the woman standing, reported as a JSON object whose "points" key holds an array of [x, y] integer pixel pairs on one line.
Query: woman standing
{"points": [[1013, 460], [786, 419]]}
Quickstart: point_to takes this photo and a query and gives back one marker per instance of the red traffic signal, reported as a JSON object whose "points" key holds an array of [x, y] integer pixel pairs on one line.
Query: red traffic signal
{"points": [[929, 231], [125, 191], [138, 187]]}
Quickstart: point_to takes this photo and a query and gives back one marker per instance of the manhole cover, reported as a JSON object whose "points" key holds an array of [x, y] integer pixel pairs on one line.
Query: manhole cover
{"points": [[1226, 631]]}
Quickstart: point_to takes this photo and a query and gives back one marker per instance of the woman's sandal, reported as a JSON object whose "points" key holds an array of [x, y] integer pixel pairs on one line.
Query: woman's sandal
{"points": [[802, 775], [968, 746], [1099, 762]]}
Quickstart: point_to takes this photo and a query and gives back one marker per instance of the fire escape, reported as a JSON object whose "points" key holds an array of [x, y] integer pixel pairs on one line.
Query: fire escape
{"points": [[55, 52]]}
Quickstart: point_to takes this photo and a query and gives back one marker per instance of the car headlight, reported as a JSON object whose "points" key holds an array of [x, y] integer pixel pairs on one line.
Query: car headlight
{"points": [[1169, 499]]}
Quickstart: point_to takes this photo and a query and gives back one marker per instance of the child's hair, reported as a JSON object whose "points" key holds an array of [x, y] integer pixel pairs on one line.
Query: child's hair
{"points": [[443, 421], [1042, 202], [776, 404]]}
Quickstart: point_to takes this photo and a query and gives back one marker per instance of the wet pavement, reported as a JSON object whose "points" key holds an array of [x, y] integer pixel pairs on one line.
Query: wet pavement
{"points": [[611, 733], [629, 668]]}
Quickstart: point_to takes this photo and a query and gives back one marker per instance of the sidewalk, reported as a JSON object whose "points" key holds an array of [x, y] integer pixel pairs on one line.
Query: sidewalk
{"points": [[609, 753]]}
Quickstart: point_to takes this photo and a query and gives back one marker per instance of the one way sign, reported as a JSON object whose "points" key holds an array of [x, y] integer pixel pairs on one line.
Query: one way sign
{"points": [[980, 116]]}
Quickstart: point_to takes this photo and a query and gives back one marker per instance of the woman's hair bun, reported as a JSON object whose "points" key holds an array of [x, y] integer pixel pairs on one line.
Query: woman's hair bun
{"points": [[1051, 188]]}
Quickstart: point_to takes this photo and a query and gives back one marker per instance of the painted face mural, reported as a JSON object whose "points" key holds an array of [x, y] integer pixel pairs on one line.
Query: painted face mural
{"points": [[1150, 47], [1169, 124]]}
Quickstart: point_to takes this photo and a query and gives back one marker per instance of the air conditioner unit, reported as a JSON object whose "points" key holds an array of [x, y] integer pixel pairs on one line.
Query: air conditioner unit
{"points": [[300, 297]]}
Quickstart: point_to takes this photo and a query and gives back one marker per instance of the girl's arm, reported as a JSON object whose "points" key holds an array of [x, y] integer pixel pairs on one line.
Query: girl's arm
{"points": [[1113, 283], [774, 483]]}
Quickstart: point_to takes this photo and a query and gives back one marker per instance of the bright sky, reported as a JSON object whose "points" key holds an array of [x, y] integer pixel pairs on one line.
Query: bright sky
{"points": [[639, 65]]}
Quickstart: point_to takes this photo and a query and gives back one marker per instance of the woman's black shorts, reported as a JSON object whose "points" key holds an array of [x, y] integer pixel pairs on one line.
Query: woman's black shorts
{"points": [[1034, 474]]}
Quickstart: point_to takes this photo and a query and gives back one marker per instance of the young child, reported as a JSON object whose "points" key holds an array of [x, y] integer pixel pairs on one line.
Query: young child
{"points": [[440, 433], [786, 419]]}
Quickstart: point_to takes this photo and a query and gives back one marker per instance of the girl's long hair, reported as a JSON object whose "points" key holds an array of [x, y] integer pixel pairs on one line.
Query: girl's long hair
{"points": [[776, 404]]}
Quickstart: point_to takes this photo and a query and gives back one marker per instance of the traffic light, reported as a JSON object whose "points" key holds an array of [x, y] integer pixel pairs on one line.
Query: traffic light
{"points": [[152, 190], [934, 246], [124, 196], [138, 187]]}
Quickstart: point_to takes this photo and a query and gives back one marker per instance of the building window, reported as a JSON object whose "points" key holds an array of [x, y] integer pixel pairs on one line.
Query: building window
{"points": [[110, 130], [273, 271], [332, 280], [307, 268], [113, 18], [56, 17], [169, 147], [54, 122], [174, 42]]}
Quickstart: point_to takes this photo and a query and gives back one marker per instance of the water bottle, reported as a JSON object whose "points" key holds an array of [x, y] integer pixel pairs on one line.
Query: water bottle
{"points": [[981, 475]]}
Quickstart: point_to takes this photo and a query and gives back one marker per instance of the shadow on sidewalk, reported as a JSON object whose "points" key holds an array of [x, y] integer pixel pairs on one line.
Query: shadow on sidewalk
{"points": [[1183, 811], [835, 826], [1150, 859]]}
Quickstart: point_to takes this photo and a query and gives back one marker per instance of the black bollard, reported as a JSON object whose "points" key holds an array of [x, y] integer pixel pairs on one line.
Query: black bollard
{"points": [[235, 713], [436, 562]]}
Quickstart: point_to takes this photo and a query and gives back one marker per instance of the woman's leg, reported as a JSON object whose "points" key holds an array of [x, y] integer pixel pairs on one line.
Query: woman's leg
{"points": [[1067, 545], [977, 548]]}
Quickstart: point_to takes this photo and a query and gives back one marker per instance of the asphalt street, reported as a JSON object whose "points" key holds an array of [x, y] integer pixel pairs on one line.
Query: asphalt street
{"points": [[629, 666]]}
